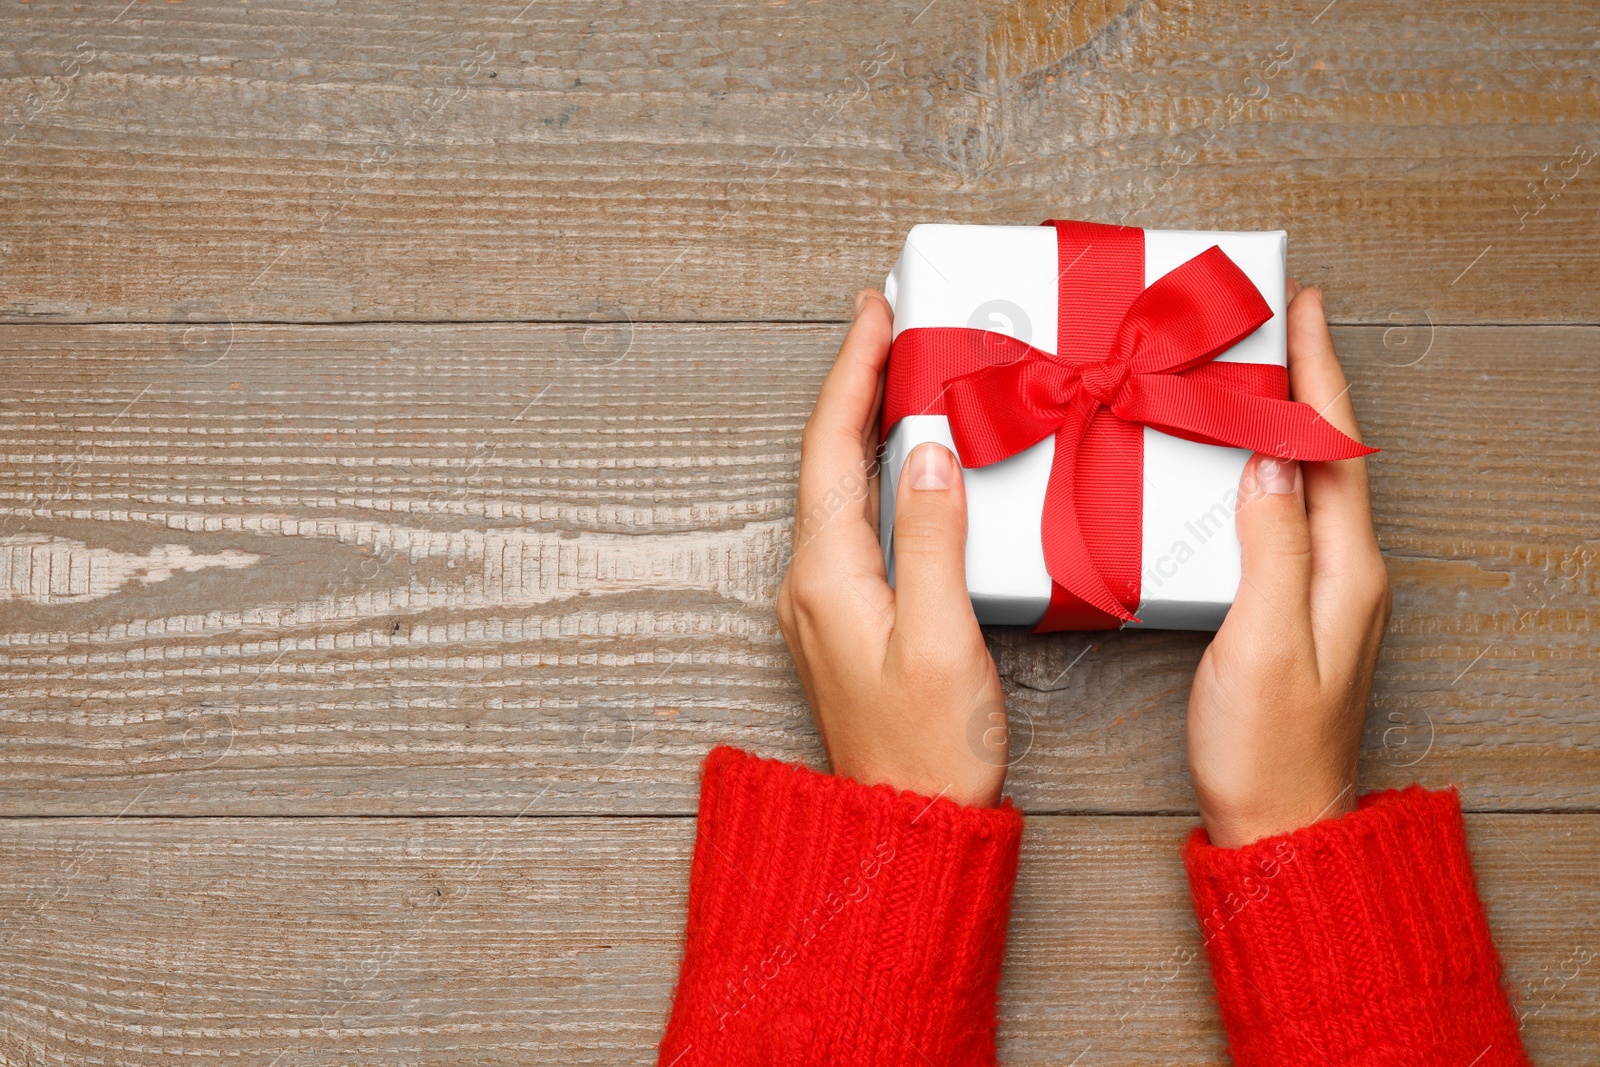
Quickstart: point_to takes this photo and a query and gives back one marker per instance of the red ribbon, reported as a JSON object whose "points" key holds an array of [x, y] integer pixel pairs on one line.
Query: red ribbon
{"points": [[1128, 357]]}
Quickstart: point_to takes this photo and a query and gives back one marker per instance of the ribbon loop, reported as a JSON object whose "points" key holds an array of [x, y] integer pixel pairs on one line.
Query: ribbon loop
{"points": [[998, 411]]}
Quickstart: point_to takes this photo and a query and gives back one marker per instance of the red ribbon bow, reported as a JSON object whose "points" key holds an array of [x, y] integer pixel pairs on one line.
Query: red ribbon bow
{"points": [[1151, 365]]}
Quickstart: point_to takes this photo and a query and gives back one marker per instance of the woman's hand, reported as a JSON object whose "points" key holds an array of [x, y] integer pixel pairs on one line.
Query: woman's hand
{"points": [[900, 681], [1279, 700]]}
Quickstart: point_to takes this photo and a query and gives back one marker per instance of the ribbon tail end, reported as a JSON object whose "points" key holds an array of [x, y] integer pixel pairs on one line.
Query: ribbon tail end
{"points": [[1356, 450], [1343, 447], [1101, 600]]}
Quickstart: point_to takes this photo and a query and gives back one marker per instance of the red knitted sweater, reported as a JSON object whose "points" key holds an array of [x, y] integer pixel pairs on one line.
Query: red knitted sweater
{"points": [[835, 923]]}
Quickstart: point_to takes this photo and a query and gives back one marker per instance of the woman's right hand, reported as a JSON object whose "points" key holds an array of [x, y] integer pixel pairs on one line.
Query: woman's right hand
{"points": [[1280, 697]]}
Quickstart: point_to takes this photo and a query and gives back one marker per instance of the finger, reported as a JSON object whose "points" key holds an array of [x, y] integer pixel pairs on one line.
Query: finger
{"points": [[1314, 373], [851, 387], [835, 467], [1275, 583], [932, 611], [1338, 504], [874, 457]]}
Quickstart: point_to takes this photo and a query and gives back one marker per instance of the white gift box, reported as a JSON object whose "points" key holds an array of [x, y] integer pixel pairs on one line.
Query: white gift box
{"points": [[1004, 278]]}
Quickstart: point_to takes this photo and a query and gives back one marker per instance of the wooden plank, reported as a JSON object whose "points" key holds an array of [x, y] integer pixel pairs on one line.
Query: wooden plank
{"points": [[408, 570], [656, 161], [556, 940]]}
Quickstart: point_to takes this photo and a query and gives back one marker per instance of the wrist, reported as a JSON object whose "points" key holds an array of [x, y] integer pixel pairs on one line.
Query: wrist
{"points": [[975, 787], [960, 757], [1239, 823]]}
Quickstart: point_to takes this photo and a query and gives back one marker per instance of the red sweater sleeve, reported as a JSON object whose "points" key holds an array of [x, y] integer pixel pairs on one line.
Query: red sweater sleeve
{"points": [[1356, 942], [835, 923]]}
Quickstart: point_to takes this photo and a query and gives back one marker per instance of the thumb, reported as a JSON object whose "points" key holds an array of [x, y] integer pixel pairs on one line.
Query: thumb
{"points": [[1275, 539], [930, 542]]}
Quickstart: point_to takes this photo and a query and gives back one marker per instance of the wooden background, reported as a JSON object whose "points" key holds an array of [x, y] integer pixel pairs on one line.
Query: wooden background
{"points": [[400, 405]]}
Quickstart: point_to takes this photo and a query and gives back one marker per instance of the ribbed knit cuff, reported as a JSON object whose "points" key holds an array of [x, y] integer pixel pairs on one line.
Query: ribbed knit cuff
{"points": [[1357, 942], [836, 923]]}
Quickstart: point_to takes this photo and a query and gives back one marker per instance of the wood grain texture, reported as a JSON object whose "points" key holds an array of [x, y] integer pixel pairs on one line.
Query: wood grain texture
{"points": [[439, 569], [300, 161], [451, 562], [543, 941]]}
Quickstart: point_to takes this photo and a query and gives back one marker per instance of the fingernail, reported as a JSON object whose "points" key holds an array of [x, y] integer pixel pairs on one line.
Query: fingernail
{"points": [[1278, 476], [861, 300], [931, 467]]}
